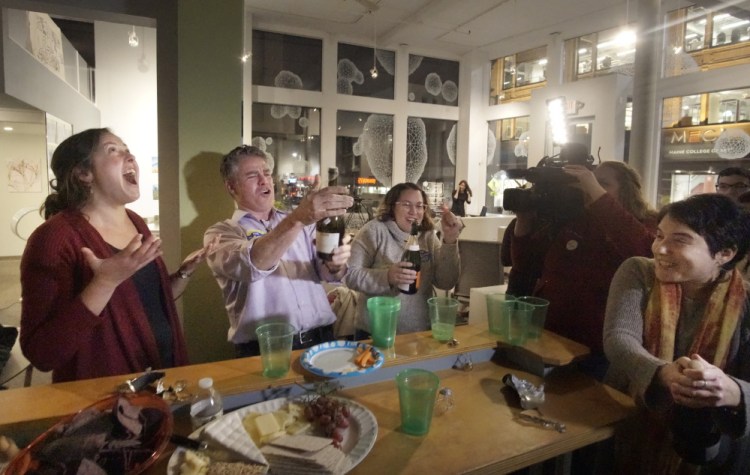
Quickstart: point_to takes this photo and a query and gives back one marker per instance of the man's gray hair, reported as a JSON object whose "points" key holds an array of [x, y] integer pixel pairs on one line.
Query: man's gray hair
{"points": [[230, 162]]}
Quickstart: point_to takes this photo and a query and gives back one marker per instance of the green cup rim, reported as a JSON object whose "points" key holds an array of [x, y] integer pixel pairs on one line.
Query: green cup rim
{"points": [[267, 326], [405, 373], [506, 297], [392, 302], [535, 301], [450, 300]]}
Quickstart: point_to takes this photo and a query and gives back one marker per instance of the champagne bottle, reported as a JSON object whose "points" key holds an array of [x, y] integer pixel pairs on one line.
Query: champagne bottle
{"points": [[411, 254], [329, 231]]}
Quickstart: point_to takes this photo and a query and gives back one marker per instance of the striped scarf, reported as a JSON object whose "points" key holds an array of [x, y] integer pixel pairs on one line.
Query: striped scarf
{"points": [[653, 446]]}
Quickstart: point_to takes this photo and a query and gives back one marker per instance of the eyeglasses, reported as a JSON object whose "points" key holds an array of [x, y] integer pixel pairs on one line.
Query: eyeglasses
{"points": [[736, 186], [407, 205]]}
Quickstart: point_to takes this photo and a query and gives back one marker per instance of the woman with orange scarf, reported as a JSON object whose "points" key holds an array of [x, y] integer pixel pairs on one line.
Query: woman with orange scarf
{"points": [[677, 334]]}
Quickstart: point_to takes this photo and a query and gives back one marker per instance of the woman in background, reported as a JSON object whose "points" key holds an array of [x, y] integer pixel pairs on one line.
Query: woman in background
{"points": [[677, 334], [461, 197], [97, 297], [375, 266]]}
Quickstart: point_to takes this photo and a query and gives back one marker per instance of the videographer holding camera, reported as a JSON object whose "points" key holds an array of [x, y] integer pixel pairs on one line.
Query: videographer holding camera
{"points": [[573, 229]]}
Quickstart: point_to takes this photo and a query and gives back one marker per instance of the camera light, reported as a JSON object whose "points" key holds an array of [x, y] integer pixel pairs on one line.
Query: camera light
{"points": [[557, 122]]}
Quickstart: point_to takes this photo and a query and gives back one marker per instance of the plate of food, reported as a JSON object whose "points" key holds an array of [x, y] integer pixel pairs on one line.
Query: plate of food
{"points": [[310, 434], [337, 359], [122, 433]]}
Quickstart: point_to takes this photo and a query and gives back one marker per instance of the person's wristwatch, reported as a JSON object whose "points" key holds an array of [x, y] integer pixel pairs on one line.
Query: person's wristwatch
{"points": [[183, 274]]}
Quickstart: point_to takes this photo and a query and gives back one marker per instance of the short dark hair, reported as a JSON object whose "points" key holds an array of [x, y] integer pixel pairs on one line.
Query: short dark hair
{"points": [[69, 160], [731, 171], [231, 161], [385, 210], [716, 218]]}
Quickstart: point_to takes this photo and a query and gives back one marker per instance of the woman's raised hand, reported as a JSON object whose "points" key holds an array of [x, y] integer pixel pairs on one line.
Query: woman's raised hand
{"points": [[120, 267]]}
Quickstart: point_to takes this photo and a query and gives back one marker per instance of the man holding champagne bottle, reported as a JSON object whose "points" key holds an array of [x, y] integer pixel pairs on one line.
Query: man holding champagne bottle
{"points": [[266, 262]]}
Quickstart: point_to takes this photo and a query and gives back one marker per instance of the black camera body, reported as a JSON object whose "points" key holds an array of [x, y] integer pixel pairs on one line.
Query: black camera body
{"points": [[550, 197]]}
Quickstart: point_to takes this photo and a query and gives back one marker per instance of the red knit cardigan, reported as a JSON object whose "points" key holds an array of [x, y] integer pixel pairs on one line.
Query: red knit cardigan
{"points": [[577, 265], [59, 333]]}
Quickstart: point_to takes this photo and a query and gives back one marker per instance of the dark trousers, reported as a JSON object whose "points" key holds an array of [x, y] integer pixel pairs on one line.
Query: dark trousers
{"points": [[300, 341]]}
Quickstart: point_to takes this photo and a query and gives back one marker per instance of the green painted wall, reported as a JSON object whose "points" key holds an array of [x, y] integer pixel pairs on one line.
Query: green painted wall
{"points": [[209, 115]]}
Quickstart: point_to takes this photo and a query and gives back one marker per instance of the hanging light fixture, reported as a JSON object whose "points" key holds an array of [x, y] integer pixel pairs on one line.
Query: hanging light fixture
{"points": [[374, 70], [133, 39]]}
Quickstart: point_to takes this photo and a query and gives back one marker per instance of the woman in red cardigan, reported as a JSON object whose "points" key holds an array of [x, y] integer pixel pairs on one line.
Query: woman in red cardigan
{"points": [[575, 261], [97, 297]]}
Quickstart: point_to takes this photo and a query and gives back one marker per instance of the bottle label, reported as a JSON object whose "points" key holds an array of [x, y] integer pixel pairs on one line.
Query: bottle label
{"points": [[325, 243]]}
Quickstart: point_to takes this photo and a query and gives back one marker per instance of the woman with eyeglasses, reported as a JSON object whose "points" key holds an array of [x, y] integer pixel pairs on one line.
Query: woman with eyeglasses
{"points": [[375, 266]]}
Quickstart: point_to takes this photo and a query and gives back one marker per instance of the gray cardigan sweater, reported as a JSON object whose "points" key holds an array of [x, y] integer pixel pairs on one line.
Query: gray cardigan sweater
{"points": [[632, 368], [376, 248]]}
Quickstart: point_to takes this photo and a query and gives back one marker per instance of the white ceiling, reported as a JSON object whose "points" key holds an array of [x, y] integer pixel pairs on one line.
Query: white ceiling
{"points": [[451, 26]]}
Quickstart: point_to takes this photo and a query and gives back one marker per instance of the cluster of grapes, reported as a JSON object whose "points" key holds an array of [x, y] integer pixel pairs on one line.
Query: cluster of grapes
{"points": [[331, 415]]}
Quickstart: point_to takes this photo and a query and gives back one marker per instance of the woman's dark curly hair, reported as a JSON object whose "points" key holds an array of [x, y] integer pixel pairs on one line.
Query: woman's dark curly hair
{"points": [[716, 218], [385, 210], [71, 159]]}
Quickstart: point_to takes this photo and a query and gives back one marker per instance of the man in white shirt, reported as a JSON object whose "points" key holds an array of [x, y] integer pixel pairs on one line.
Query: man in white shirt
{"points": [[265, 261]]}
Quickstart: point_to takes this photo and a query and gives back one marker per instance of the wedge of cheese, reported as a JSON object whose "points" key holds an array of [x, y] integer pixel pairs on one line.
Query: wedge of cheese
{"points": [[229, 433]]}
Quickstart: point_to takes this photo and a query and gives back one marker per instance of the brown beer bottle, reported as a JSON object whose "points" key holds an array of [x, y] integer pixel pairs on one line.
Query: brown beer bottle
{"points": [[411, 254], [330, 231]]}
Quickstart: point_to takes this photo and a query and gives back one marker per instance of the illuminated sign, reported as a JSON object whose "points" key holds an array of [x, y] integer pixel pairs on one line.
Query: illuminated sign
{"points": [[685, 143], [366, 180]]}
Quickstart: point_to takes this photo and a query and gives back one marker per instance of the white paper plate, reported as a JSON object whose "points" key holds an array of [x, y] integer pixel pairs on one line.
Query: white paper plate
{"points": [[358, 438], [335, 359]]}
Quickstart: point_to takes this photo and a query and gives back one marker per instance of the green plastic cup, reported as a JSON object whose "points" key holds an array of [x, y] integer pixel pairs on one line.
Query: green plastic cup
{"points": [[443, 311], [383, 313], [417, 389], [275, 341], [500, 307], [539, 315], [518, 323]]}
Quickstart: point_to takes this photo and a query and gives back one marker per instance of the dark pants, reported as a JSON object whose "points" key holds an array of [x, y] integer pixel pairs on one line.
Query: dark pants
{"points": [[300, 341]]}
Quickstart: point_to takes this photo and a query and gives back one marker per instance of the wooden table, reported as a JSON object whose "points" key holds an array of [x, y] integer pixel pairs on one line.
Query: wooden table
{"points": [[480, 434], [481, 424]]}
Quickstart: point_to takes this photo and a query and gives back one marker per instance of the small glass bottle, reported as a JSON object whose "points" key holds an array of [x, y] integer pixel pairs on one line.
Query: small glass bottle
{"points": [[444, 401], [207, 404]]}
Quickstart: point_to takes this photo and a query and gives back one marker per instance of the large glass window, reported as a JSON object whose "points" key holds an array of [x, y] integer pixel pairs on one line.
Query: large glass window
{"points": [[695, 29], [729, 29], [693, 152], [364, 157], [433, 81], [514, 76], [728, 106], [603, 52], [365, 72], [531, 66], [291, 62], [507, 148], [430, 150], [290, 136], [699, 39]]}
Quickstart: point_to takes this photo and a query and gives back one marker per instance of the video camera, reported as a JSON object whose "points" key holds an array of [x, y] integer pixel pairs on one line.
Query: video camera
{"points": [[550, 196]]}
